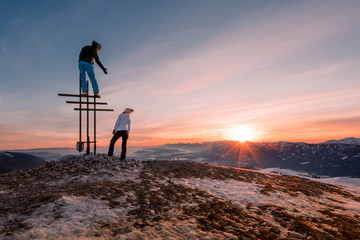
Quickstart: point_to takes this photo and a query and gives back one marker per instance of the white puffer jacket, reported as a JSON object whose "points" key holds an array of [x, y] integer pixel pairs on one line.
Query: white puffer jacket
{"points": [[123, 122]]}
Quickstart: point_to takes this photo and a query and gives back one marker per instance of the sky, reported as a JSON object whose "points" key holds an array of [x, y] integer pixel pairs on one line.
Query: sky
{"points": [[193, 71]]}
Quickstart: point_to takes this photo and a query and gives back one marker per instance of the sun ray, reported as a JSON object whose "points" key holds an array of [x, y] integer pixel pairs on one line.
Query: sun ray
{"points": [[240, 154]]}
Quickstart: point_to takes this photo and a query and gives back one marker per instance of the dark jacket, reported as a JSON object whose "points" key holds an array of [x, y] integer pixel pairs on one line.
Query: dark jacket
{"points": [[89, 53]]}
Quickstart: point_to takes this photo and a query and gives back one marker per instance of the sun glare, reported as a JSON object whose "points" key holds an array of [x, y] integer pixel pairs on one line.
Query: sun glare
{"points": [[241, 133]]}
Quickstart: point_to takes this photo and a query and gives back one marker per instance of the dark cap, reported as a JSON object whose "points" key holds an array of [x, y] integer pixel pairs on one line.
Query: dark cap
{"points": [[96, 45]]}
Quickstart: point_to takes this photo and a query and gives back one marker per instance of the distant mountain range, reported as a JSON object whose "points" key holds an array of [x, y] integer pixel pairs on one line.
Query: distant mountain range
{"points": [[11, 160], [330, 158], [351, 140]]}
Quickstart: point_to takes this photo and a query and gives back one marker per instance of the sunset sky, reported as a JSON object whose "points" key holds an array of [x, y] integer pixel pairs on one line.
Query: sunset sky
{"points": [[194, 71]]}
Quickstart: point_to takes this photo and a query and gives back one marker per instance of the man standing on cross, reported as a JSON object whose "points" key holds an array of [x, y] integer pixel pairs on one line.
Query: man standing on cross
{"points": [[86, 62]]}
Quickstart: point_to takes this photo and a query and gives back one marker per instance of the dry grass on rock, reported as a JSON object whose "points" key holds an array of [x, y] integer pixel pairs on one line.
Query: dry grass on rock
{"points": [[152, 198]]}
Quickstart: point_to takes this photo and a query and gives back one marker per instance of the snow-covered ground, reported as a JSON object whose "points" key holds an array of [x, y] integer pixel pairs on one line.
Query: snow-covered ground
{"points": [[2, 153], [73, 217], [350, 184], [69, 216], [248, 194], [107, 199], [284, 172]]}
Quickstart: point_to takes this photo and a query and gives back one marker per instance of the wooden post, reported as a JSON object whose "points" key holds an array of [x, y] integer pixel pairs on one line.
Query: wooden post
{"points": [[80, 144], [94, 125], [80, 113], [87, 121]]}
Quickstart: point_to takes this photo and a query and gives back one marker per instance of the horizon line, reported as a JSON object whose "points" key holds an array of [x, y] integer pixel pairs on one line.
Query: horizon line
{"points": [[190, 143]]}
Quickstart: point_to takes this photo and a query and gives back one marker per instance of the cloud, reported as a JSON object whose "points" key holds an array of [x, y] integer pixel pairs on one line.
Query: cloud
{"points": [[343, 122], [272, 68], [235, 51], [17, 136]]}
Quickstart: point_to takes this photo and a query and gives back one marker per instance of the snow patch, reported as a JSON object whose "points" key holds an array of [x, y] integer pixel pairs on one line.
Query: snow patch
{"points": [[350, 184], [70, 216], [73, 217], [2, 153], [243, 194], [284, 172]]}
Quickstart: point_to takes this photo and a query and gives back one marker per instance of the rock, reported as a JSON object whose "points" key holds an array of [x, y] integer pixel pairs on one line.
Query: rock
{"points": [[296, 235]]}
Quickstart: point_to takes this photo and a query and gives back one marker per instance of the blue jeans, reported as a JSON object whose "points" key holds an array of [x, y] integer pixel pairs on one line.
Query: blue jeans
{"points": [[87, 67]]}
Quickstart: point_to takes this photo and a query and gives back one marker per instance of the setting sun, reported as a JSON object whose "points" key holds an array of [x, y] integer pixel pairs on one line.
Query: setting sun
{"points": [[241, 133]]}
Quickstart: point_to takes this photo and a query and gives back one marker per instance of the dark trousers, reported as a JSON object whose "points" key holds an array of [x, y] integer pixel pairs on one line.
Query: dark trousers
{"points": [[124, 134]]}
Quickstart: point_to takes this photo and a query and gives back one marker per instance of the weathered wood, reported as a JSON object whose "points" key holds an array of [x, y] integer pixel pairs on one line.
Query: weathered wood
{"points": [[76, 95], [91, 109], [74, 102], [86, 108]]}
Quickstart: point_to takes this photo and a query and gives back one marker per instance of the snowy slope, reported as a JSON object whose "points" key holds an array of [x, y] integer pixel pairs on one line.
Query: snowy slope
{"points": [[5, 154], [13, 160], [348, 183], [103, 198], [350, 140]]}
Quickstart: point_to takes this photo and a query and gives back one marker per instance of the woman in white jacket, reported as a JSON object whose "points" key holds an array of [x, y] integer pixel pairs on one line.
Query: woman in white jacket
{"points": [[121, 129]]}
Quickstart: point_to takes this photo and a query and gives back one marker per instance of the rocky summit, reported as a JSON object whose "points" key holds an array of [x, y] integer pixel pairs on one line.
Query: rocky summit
{"points": [[100, 197]]}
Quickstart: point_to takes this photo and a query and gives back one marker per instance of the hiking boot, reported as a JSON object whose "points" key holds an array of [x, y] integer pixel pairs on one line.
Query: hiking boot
{"points": [[96, 94], [84, 93]]}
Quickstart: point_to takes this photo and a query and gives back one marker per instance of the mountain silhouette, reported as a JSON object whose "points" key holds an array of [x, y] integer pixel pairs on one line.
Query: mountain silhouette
{"points": [[326, 159], [13, 160]]}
